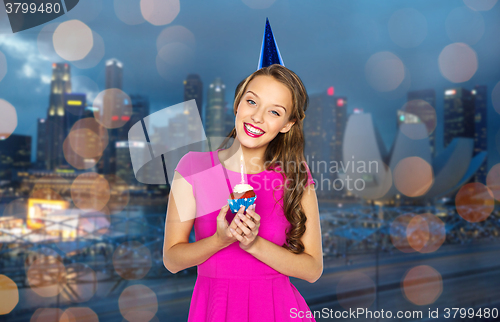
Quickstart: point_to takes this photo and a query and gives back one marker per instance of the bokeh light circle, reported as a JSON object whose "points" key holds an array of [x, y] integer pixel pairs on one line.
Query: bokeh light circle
{"points": [[407, 27], [73, 40], [113, 108], [493, 181], [474, 202], [138, 303], [90, 191], [384, 71], [47, 276], [495, 97], [355, 290], [129, 11], [119, 194], [437, 233], [413, 176], [83, 281], [427, 115], [132, 260], [480, 5], [175, 34], [8, 121], [258, 4], [458, 62], [9, 295], [79, 314], [398, 232], [417, 232], [88, 138], [465, 25], [422, 285], [76, 160], [3, 66], [160, 12], [95, 55]]}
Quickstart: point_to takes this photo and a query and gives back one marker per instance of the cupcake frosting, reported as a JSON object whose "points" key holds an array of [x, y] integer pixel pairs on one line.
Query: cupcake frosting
{"points": [[242, 187]]}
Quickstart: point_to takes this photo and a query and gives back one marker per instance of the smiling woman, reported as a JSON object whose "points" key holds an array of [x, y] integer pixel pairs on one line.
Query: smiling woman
{"points": [[245, 259]]}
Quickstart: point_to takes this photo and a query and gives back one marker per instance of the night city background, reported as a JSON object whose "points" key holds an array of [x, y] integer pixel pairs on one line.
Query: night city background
{"points": [[413, 86]]}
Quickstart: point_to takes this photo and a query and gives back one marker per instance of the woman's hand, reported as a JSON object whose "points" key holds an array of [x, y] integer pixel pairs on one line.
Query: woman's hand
{"points": [[247, 227], [224, 236]]}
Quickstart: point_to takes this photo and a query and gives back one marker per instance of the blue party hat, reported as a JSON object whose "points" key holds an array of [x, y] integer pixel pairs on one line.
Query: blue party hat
{"points": [[269, 52]]}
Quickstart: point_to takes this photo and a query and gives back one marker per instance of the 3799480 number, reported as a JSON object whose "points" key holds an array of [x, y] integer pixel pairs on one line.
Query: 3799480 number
{"points": [[23, 7], [471, 313]]}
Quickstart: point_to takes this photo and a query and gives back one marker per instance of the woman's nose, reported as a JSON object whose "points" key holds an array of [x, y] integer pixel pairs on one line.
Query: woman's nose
{"points": [[257, 117]]}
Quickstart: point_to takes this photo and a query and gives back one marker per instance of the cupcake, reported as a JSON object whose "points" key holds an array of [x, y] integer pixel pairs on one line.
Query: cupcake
{"points": [[242, 195]]}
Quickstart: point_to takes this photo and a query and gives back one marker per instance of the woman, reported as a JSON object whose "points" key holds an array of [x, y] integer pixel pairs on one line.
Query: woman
{"points": [[244, 267]]}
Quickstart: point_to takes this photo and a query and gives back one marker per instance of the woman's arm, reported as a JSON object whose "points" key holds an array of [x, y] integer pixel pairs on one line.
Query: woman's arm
{"points": [[178, 253], [308, 265]]}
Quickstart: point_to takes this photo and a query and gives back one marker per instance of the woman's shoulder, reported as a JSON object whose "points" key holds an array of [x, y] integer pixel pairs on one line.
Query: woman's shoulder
{"points": [[196, 161]]}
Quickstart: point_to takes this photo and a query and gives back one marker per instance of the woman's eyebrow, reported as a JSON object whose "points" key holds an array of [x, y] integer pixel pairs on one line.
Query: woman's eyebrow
{"points": [[274, 104]]}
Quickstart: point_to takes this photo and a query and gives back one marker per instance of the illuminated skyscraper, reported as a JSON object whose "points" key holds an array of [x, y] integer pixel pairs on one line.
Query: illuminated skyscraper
{"points": [[458, 114], [324, 128], [75, 106], [56, 119], [423, 104], [480, 95], [41, 144], [193, 89], [114, 74], [215, 117], [15, 154]]}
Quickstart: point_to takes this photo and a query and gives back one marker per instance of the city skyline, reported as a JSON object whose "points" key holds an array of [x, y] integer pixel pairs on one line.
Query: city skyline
{"points": [[318, 50]]}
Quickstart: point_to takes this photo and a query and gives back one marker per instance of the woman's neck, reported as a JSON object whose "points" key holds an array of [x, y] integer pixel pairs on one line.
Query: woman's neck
{"points": [[253, 158]]}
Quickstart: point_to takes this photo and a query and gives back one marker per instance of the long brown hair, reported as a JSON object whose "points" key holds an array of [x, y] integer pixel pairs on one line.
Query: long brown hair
{"points": [[285, 149]]}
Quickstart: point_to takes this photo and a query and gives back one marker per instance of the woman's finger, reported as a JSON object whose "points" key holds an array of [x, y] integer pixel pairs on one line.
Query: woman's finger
{"points": [[247, 221], [235, 234], [255, 217], [242, 226]]}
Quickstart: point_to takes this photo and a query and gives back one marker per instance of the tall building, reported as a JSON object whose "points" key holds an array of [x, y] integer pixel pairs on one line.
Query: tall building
{"points": [[114, 74], [123, 148], [340, 124], [324, 128], [480, 95], [41, 145], [15, 154], [193, 89], [75, 105], [56, 119], [458, 114], [422, 103], [215, 116]]}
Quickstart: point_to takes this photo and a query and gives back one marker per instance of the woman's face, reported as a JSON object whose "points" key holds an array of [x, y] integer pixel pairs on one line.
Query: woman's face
{"points": [[263, 112]]}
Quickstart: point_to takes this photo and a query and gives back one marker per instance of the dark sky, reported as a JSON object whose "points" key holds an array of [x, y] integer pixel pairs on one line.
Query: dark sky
{"points": [[327, 43]]}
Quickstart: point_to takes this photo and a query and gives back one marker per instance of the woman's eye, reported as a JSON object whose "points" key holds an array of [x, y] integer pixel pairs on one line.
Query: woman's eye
{"points": [[250, 101], [278, 114]]}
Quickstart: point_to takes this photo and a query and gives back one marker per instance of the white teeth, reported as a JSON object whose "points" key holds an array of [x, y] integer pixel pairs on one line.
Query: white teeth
{"points": [[252, 130]]}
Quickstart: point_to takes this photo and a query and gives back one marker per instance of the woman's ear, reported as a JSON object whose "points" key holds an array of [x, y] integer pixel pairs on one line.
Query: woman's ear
{"points": [[287, 127]]}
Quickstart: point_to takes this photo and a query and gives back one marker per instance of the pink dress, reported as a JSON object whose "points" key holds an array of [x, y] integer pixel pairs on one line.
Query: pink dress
{"points": [[232, 285]]}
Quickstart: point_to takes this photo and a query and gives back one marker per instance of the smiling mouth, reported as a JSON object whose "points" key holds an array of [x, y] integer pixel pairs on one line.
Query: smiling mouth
{"points": [[252, 130]]}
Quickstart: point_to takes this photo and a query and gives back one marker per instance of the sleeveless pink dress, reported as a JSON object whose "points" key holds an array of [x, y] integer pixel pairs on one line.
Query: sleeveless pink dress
{"points": [[232, 285]]}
